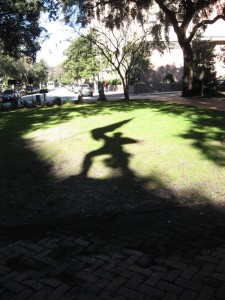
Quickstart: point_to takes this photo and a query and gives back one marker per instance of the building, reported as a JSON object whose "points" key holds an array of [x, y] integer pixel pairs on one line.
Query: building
{"points": [[171, 60]]}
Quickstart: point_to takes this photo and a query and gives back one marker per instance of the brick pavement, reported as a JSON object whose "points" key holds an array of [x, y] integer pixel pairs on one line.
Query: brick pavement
{"points": [[203, 102], [216, 103], [177, 253]]}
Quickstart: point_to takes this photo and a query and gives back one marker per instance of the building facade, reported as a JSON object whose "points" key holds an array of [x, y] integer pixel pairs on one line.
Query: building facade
{"points": [[171, 60]]}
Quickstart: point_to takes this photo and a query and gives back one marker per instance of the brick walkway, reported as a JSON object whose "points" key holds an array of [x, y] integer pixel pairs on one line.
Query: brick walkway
{"points": [[210, 103], [177, 253], [175, 97]]}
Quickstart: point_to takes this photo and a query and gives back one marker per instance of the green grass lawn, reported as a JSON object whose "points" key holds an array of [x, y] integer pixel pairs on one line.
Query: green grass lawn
{"points": [[99, 157]]}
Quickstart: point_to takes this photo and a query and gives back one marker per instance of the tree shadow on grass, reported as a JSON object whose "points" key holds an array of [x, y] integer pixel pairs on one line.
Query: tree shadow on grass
{"points": [[32, 194], [206, 129]]}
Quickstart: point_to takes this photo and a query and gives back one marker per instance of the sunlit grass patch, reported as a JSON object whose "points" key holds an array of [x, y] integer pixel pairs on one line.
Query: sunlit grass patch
{"points": [[167, 148]]}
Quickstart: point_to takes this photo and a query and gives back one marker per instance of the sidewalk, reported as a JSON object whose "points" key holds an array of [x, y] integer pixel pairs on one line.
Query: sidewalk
{"points": [[176, 253], [175, 97], [210, 103]]}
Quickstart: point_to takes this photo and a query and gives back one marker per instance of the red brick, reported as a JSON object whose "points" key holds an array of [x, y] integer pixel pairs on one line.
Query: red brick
{"points": [[206, 293], [169, 287], [86, 276], [97, 287], [188, 295], [190, 284], [150, 291], [13, 286], [221, 291], [135, 281], [130, 294], [40, 295], [116, 283], [58, 292], [23, 295], [51, 282], [207, 269]]}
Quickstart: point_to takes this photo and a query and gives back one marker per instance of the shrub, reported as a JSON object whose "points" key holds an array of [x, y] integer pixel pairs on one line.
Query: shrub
{"points": [[58, 101], [114, 81], [168, 77]]}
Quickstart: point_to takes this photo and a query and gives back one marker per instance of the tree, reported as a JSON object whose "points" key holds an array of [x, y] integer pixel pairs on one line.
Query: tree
{"points": [[168, 77], [7, 66], [186, 17], [56, 74], [124, 49], [222, 57], [19, 27], [182, 14], [203, 64], [81, 61], [39, 72], [11, 68]]}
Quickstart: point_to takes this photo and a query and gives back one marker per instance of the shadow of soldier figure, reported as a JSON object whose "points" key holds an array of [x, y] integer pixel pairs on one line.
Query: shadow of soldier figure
{"points": [[112, 146]]}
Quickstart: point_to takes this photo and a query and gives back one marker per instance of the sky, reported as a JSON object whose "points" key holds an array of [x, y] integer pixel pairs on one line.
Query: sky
{"points": [[61, 35], [52, 50]]}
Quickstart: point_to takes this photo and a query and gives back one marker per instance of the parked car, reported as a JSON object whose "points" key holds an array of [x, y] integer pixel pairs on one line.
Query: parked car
{"points": [[221, 85], [9, 96], [84, 89], [221, 82], [32, 90], [22, 93]]}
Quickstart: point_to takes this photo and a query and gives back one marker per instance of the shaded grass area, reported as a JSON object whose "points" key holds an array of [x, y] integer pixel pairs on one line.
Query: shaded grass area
{"points": [[100, 158]]}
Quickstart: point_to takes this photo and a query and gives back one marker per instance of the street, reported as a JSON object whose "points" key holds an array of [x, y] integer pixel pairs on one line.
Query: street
{"points": [[66, 94], [175, 96]]}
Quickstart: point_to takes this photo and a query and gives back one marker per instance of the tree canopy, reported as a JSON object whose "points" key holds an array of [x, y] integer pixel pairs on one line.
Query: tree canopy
{"points": [[124, 50], [19, 27], [186, 17], [82, 60], [11, 68]]}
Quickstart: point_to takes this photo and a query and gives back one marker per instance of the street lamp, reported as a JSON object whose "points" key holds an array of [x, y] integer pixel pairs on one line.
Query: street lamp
{"points": [[100, 64], [100, 83]]}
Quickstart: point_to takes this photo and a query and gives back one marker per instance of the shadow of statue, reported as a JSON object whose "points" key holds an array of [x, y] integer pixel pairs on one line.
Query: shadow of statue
{"points": [[113, 146]]}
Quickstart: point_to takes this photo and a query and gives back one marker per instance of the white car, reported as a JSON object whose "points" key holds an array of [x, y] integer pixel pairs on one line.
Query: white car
{"points": [[84, 90]]}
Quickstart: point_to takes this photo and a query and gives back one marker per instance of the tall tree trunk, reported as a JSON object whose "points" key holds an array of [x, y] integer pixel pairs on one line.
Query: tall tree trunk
{"points": [[126, 92], [187, 89], [125, 83]]}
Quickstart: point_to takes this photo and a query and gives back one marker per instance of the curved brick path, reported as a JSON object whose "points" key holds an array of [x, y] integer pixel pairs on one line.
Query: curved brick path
{"points": [[170, 254], [210, 103]]}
